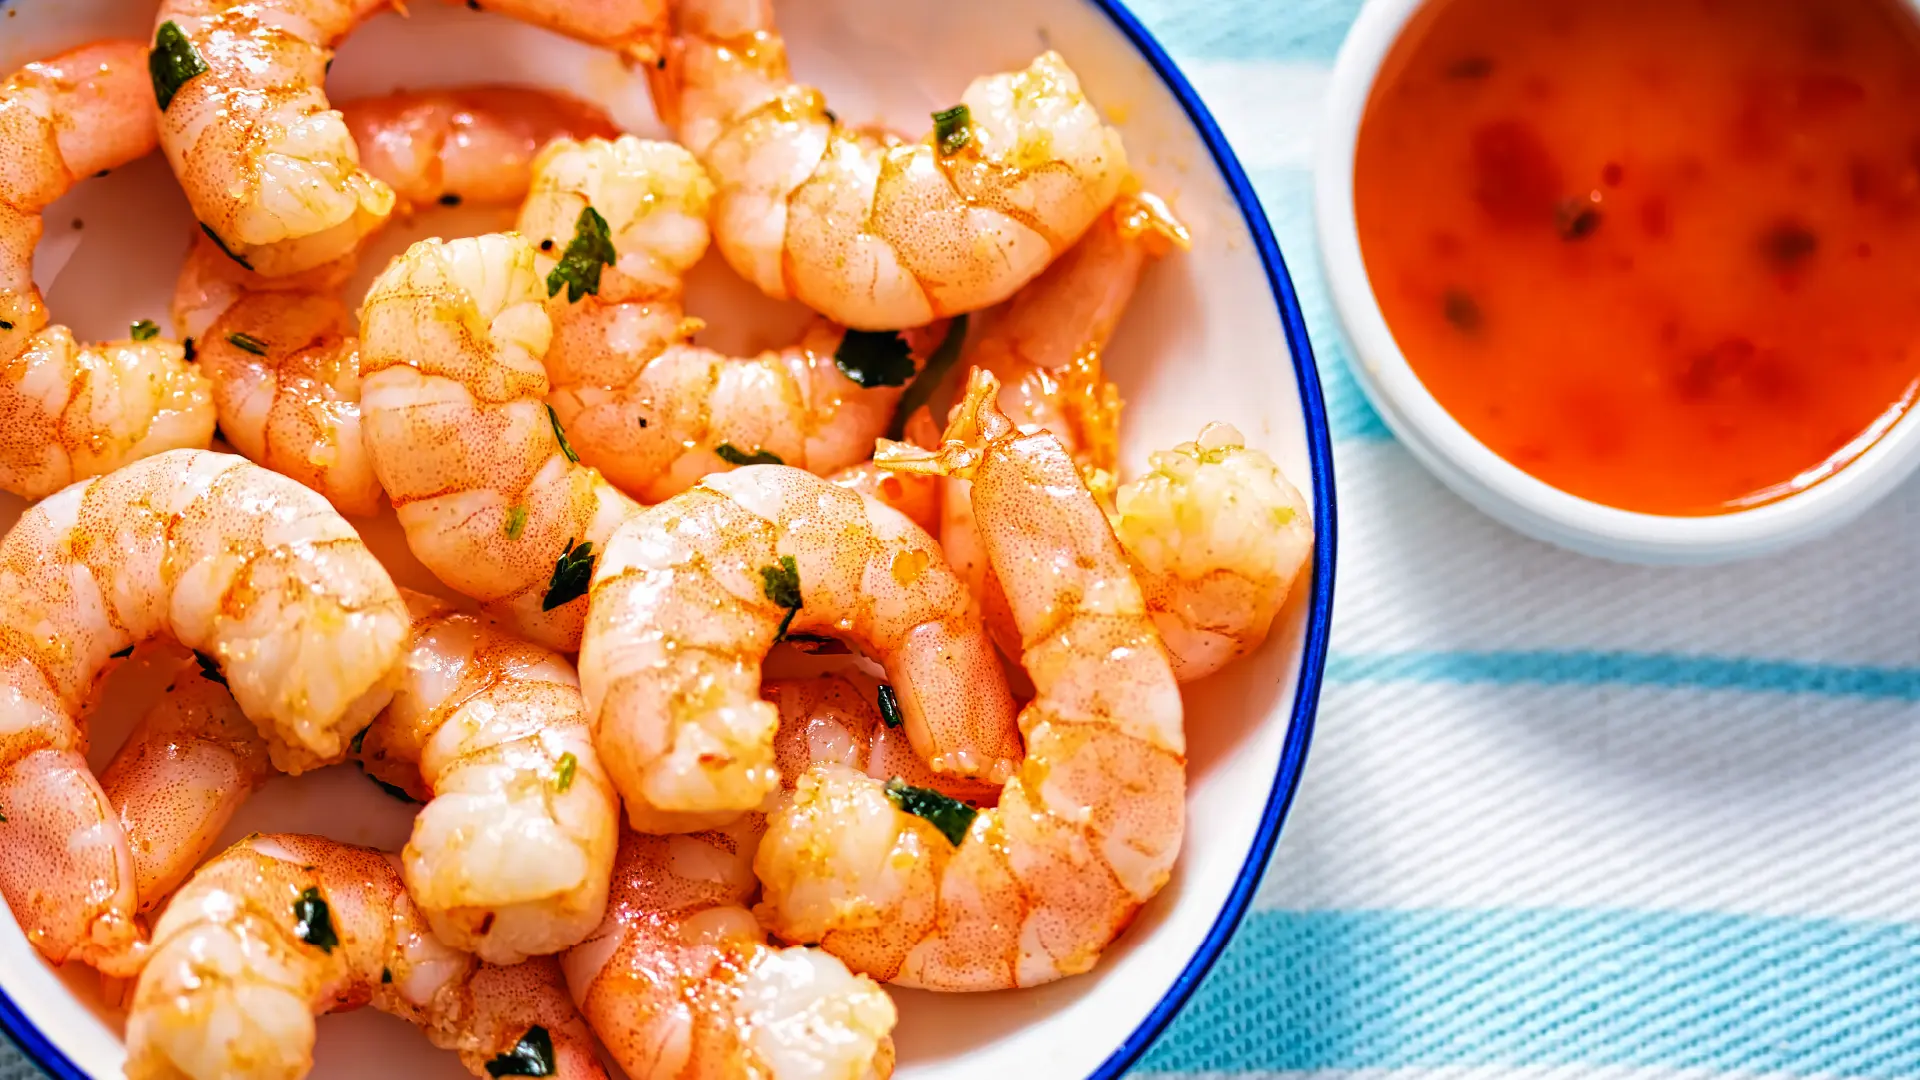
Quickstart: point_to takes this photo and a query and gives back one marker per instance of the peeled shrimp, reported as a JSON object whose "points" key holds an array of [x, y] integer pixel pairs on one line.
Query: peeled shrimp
{"points": [[272, 172], [281, 353], [281, 928], [639, 401], [871, 232], [838, 719], [493, 500], [511, 856], [1085, 832], [692, 593], [240, 564], [189, 763], [70, 411]]}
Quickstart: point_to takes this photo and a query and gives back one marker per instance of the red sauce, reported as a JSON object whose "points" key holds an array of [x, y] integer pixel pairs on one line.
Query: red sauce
{"points": [[1661, 254]]}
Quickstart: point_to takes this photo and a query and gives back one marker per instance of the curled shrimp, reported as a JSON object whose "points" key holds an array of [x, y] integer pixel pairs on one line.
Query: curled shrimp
{"points": [[70, 411], [281, 928], [493, 499], [272, 171], [242, 565], [281, 353], [840, 719], [511, 855], [189, 763], [871, 232], [691, 594], [1088, 828], [639, 400]]}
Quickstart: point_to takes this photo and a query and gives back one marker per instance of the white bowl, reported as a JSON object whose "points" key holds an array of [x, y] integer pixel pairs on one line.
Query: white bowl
{"points": [[1214, 334], [1468, 466]]}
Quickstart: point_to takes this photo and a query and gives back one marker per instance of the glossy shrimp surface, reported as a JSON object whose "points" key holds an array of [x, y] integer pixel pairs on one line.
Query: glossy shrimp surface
{"points": [[282, 928], [511, 855], [281, 352], [692, 593], [1088, 828], [639, 400], [189, 763], [453, 388], [869, 231], [69, 411], [244, 566]]}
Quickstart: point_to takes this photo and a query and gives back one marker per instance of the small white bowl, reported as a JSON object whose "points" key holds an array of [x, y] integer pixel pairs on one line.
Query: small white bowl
{"points": [[1468, 466]]}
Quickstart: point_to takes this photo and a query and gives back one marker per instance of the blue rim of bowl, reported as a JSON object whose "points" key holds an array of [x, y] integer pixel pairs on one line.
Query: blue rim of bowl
{"points": [[1293, 755]]}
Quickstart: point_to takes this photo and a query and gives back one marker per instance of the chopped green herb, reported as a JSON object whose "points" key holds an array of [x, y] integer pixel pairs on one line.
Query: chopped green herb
{"points": [[589, 250], [921, 391], [5, 325], [874, 358], [144, 330], [449, 199], [172, 63], [386, 975], [516, 520], [313, 921], [571, 576], [952, 129], [247, 343], [890, 714], [561, 434], [209, 668], [781, 584], [393, 790], [733, 455], [360, 739], [951, 816], [122, 654], [531, 1056], [188, 346], [563, 772], [222, 245]]}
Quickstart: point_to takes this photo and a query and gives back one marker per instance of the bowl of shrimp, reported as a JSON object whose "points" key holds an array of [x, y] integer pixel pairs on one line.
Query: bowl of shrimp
{"points": [[711, 538]]}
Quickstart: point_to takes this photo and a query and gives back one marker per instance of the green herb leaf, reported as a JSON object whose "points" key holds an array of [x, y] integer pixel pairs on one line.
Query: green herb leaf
{"points": [[561, 434], [449, 199], [313, 921], [122, 654], [874, 358], [360, 739], [563, 772], [247, 343], [5, 325], [951, 816], [531, 1056], [952, 129], [386, 975], [733, 455], [209, 668], [144, 330], [187, 345], [222, 245], [930, 377], [571, 576], [392, 790], [890, 713], [589, 250], [517, 519], [781, 584], [172, 63]]}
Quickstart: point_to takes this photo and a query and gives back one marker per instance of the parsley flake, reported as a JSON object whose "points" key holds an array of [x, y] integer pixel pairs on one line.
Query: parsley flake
{"points": [[561, 434], [516, 521], [589, 250], [122, 654], [890, 714], [360, 739], [209, 668], [144, 330], [563, 772], [571, 576], [313, 921], [5, 325], [952, 129], [386, 975], [874, 358], [222, 245], [781, 584], [951, 816], [247, 343], [392, 790], [531, 1056], [733, 455], [172, 63], [931, 376]]}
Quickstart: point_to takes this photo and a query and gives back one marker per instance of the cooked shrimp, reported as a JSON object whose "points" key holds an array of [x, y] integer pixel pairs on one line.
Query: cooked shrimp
{"points": [[1216, 537], [70, 411], [242, 565], [918, 497], [490, 494], [272, 172], [680, 983], [281, 353], [1085, 832], [840, 719], [189, 763], [279, 929], [640, 402], [873, 233], [511, 855], [691, 594]]}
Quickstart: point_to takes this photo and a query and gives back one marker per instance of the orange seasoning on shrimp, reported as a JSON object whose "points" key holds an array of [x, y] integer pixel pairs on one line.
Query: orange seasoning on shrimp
{"points": [[1661, 254]]}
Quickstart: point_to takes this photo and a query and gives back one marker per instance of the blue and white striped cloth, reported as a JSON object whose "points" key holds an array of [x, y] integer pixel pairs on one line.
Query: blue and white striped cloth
{"points": [[1561, 816]]}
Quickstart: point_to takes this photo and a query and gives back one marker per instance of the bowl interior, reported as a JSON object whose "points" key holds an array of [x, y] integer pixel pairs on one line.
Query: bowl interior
{"points": [[1204, 340]]}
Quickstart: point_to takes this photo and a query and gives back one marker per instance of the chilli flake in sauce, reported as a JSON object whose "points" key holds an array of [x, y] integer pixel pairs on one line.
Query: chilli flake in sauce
{"points": [[1661, 254]]}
